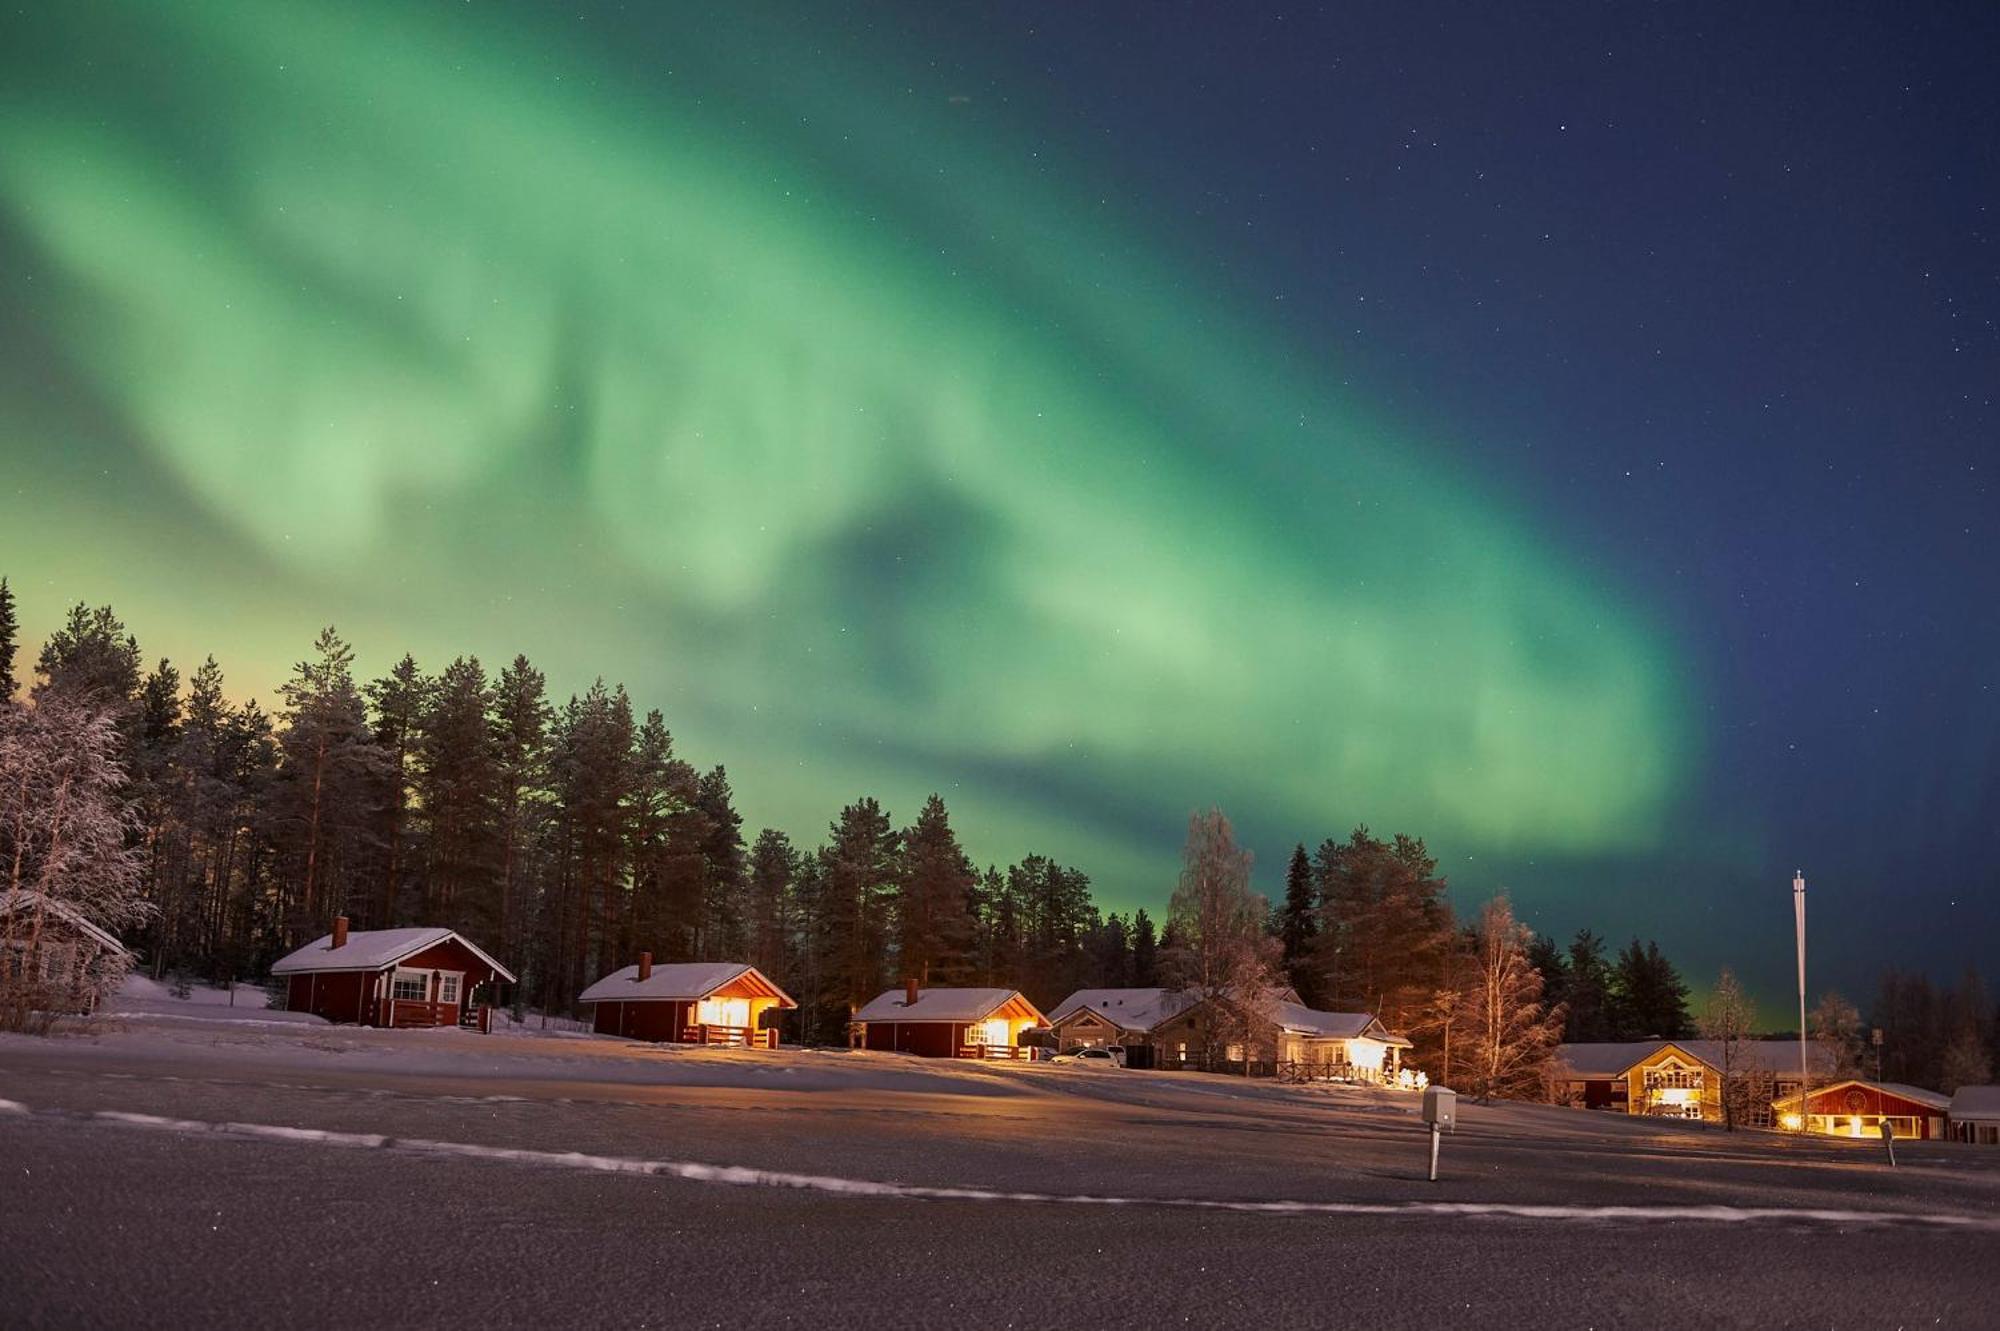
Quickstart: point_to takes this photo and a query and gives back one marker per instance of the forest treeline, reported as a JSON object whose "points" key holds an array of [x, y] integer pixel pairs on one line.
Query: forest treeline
{"points": [[569, 835]]}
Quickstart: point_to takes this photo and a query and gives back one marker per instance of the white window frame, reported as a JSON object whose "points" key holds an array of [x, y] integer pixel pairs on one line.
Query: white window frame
{"points": [[403, 973], [450, 986]]}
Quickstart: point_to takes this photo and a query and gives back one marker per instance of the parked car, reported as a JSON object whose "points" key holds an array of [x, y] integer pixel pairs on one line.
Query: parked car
{"points": [[1094, 1057]]}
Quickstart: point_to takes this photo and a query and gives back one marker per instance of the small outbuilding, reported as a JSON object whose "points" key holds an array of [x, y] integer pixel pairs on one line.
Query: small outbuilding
{"points": [[946, 1023], [1855, 1108], [392, 977], [697, 1002], [1975, 1115], [52, 957]]}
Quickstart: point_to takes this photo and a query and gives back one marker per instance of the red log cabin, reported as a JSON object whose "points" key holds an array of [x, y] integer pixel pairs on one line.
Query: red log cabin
{"points": [[947, 1023], [696, 1002], [391, 977]]}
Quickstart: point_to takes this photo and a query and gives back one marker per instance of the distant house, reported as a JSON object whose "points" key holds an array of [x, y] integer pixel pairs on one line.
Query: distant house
{"points": [[1855, 1108], [697, 1002], [1975, 1115], [52, 956], [1683, 1078], [391, 977], [946, 1023], [1213, 1034], [1124, 1018]]}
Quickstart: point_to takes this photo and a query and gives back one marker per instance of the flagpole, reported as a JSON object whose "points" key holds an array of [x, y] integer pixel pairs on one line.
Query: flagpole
{"points": [[1799, 917]]}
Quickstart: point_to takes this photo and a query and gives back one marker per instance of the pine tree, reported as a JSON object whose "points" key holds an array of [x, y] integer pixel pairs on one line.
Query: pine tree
{"points": [[935, 882], [1587, 994], [458, 786], [328, 783], [857, 882], [401, 700], [520, 728], [93, 656], [774, 869], [1553, 966], [1648, 997], [10, 629], [1145, 952], [1298, 927], [723, 936], [1384, 926]]}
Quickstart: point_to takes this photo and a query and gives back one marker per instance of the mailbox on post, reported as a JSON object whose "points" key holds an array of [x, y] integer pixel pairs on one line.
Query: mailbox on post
{"points": [[1441, 1112]]}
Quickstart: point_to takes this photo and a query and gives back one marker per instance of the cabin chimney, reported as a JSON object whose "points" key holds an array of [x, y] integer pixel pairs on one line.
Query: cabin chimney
{"points": [[645, 967], [910, 992], [340, 931]]}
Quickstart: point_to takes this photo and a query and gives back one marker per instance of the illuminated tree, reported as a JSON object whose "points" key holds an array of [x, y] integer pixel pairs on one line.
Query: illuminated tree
{"points": [[1726, 1020], [1510, 1037]]}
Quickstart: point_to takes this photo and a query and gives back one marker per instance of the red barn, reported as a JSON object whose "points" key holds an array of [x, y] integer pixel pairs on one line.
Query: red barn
{"points": [[391, 977], [947, 1023], [696, 1002], [1860, 1108]]}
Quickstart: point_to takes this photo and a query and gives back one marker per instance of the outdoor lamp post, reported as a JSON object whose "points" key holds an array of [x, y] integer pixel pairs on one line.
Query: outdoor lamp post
{"points": [[1799, 917]]}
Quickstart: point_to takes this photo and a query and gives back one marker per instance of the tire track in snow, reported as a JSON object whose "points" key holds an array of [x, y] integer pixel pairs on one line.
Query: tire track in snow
{"points": [[745, 1176]]}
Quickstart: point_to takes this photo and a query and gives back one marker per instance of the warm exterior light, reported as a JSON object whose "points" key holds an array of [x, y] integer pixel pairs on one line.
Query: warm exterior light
{"points": [[1793, 1122]]}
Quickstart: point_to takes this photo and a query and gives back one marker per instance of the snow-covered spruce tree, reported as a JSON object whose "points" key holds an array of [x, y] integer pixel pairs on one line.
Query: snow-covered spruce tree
{"points": [[1510, 1037], [66, 840]]}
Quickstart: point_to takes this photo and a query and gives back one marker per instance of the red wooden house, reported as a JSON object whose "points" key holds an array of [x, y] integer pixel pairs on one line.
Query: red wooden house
{"points": [[947, 1023], [1857, 1108], [391, 977], [695, 1002]]}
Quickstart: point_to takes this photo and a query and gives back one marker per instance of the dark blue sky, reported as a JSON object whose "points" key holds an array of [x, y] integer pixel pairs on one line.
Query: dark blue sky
{"points": [[1711, 289]]}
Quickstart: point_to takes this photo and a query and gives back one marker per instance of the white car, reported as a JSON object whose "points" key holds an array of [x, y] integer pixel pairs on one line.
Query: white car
{"points": [[1093, 1057]]}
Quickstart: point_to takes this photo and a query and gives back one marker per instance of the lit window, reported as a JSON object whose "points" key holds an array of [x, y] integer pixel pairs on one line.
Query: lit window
{"points": [[412, 986], [723, 1012]]}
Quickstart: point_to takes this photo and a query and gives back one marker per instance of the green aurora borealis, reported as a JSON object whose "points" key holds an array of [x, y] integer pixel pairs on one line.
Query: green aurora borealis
{"points": [[807, 401]]}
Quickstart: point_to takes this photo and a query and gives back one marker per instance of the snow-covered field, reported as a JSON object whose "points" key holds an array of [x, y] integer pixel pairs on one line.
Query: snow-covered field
{"points": [[584, 1176]]}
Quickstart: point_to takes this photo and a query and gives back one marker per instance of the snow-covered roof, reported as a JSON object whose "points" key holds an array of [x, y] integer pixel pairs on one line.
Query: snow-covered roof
{"points": [[942, 1005], [1302, 1020], [25, 900], [685, 981], [1127, 1009], [1600, 1061], [1916, 1094], [374, 949], [1976, 1104]]}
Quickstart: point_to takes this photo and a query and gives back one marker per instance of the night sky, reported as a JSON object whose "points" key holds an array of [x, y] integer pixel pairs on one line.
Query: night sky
{"points": [[1569, 438]]}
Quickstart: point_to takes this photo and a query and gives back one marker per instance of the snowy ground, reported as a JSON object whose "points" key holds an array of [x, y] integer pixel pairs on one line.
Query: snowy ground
{"points": [[187, 1164]]}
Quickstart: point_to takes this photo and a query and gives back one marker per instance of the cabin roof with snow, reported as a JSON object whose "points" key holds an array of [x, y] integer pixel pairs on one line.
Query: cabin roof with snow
{"points": [[23, 900], [1128, 1009], [957, 1005], [1298, 1019], [374, 950], [686, 981], [1980, 1104], [1603, 1061]]}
